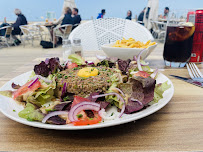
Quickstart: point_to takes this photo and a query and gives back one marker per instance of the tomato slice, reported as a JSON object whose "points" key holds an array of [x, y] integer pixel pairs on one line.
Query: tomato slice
{"points": [[78, 99], [72, 65], [142, 74], [88, 121], [24, 89], [84, 120]]}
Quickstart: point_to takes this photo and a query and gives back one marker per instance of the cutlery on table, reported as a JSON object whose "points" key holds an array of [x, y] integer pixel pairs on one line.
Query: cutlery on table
{"points": [[191, 81], [194, 72]]}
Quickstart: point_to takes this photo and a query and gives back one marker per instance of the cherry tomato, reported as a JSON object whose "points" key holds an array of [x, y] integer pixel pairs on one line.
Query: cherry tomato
{"points": [[88, 121], [78, 99], [72, 65], [24, 89], [142, 74]]}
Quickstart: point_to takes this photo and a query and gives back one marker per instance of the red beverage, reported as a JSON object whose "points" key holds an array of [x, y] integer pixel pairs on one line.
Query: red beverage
{"points": [[197, 50]]}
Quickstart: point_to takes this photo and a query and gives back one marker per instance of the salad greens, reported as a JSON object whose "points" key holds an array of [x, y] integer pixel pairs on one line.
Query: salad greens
{"points": [[159, 90], [53, 89], [77, 59], [30, 113]]}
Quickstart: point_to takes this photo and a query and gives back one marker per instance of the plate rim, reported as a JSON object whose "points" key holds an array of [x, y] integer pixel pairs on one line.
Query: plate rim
{"points": [[70, 127]]}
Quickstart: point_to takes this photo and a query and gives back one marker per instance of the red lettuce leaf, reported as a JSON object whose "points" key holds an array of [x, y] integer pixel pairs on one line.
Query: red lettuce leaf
{"points": [[15, 86], [123, 65], [56, 120], [51, 65], [133, 106]]}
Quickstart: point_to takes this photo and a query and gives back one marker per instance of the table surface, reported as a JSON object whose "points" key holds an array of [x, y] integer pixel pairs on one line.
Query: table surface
{"points": [[176, 127]]}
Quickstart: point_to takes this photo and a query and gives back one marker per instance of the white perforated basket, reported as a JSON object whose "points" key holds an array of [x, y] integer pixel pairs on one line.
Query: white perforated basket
{"points": [[95, 33]]}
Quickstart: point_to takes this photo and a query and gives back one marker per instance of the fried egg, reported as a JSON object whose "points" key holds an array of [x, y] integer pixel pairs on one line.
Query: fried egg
{"points": [[88, 72]]}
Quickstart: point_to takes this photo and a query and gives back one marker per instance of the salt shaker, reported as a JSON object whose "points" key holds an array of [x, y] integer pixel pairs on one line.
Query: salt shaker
{"points": [[67, 49], [77, 47]]}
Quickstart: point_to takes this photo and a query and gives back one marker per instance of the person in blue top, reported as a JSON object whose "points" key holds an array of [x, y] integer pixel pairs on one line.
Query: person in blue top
{"points": [[101, 15]]}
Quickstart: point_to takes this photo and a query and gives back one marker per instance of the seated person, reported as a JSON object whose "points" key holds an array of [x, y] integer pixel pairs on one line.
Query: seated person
{"points": [[76, 18], [67, 19], [3, 31], [21, 20], [166, 12], [141, 16], [59, 21], [101, 15], [129, 15]]}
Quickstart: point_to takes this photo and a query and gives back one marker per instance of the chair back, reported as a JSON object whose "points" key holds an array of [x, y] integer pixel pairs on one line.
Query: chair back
{"points": [[8, 31], [154, 27], [97, 32], [25, 29], [67, 31]]}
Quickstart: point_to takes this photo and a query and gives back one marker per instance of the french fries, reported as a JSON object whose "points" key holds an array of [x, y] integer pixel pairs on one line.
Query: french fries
{"points": [[131, 43]]}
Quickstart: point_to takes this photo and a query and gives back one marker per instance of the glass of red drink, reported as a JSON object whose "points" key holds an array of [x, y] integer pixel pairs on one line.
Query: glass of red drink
{"points": [[178, 44]]}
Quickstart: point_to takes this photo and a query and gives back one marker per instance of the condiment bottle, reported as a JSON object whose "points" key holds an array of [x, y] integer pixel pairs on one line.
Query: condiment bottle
{"points": [[77, 47], [67, 49]]}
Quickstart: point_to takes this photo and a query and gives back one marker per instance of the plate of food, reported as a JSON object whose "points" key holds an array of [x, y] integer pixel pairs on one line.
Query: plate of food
{"points": [[126, 48], [85, 95]]}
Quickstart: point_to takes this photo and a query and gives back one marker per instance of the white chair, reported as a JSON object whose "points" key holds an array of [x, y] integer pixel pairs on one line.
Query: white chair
{"points": [[63, 32], [7, 37], [97, 32], [43, 32], [159, 30], [30, 33]]}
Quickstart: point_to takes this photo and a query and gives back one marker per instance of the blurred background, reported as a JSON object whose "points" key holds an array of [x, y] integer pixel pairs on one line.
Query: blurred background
{"points": [[36, 10]]}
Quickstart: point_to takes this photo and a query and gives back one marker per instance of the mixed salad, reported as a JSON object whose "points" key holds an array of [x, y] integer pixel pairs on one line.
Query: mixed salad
{"points": [[80, 92]]}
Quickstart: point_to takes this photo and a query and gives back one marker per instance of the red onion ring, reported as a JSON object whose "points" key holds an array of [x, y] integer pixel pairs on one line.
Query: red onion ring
{"points": [[137, 101], [153, 75], [138, 60], [80, 107], [63, 90], [33, 82], [55, 113], [120, 91], [135, 59], [118, 96]]}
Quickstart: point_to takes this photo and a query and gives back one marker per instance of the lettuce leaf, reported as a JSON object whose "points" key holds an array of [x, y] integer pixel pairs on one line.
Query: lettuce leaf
{"points": [[7, 93], [77, 59], [32, 75], [159, 90], [44, 94], [30, 113], [41, 96]]}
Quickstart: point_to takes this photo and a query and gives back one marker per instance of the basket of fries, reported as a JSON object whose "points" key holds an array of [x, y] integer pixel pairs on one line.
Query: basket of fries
{"points": [[127, 48]]}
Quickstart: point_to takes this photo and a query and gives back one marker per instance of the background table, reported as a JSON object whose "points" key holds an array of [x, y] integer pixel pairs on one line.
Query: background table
{"points": [[177, 126]]}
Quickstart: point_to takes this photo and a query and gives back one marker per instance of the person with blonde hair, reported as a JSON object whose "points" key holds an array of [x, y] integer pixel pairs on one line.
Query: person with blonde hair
{"points": [[66, 18], [21, 20], [61, 19]]}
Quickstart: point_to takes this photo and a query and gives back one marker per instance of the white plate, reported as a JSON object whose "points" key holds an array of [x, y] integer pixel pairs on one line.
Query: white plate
{"points": [[7, 105]]}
